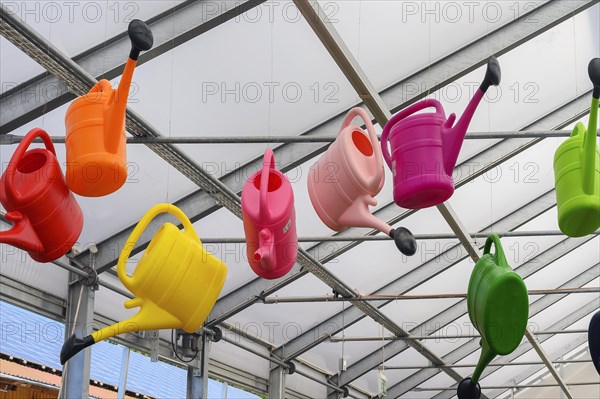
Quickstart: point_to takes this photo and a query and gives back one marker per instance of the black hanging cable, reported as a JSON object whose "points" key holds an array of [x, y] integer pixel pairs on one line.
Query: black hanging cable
{"points": [[174, 345]]}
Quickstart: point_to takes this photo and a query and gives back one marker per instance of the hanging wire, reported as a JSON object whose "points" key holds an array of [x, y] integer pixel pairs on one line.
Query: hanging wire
{"points": [[359, 28], [382, 348], [487, 35], [429, 60], [168, 166], [343, 329], [271, 73]]}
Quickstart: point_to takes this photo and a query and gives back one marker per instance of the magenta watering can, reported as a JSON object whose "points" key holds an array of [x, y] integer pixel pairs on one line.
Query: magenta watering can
{"points": [[425, 147], [344, 181], [269, 221]]}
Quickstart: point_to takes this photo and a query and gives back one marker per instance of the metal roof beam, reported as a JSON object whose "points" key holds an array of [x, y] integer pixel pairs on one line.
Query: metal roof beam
{"points": [[170, 28], [556, 356], [457, 310], [500, 153], [447, 69], [248, 294], [536, 307]]}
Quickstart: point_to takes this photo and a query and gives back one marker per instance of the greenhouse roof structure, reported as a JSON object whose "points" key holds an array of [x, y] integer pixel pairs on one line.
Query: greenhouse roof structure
{"points": [[224, 81]]}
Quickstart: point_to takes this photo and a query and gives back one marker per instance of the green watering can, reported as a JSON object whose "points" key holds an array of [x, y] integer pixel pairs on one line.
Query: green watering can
{"points": [[498, 308], [577, 172]]}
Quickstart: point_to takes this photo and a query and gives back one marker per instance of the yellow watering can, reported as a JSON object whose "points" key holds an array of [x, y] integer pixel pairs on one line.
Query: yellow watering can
{"points": [[176, 282]]}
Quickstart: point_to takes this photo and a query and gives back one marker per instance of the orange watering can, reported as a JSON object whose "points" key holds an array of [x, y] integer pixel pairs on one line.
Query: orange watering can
{"points": [[176, 282], [269, 221], [95, 122], [577, 172], [47, 219], [344, 181]]}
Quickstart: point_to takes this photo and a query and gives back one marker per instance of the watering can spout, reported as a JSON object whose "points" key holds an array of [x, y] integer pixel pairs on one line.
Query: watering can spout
{"points": [[149, 317], [454, 136], [21, 235], [487, 355], [265, 254], [141, 40], [589, 146]]}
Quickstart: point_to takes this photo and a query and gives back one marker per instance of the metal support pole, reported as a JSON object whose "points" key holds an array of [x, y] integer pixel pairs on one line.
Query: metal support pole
{"points": [[402, 297], [80, 314], [124, 370], [224, 388], [540, 351], [437, 336], [522, 386], [9, 139], [197, 378], [473, 365], [277, 382], [382, 237]]}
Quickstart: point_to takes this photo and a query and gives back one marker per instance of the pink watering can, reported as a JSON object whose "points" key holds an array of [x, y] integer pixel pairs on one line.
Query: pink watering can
{"points": [[425, 147], [344, 181], [269, 221]]}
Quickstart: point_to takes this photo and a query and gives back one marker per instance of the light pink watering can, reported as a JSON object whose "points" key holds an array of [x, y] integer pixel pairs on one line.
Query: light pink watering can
{"points": [[269, 221], [344, 181], [425, 147]]}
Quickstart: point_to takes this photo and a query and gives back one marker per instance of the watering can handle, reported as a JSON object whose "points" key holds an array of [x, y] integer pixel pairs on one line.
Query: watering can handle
{"points": [[25, 143], [357, 111], [139, 229], [102, 85], [268, 165], [499, 256], [430, 102]]}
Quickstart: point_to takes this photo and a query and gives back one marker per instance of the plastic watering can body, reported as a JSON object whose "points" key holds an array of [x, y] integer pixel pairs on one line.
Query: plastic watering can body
{"points": [[577, 173], [269, 221], [95, 141], [344, 181], [175, 283], [425, 147], [594, 340], [47, 219], [95, 128], [498, 306], [418, 159]]}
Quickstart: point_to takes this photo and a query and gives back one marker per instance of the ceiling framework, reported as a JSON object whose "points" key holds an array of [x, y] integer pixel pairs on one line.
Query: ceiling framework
{"points": [[186, 21]]}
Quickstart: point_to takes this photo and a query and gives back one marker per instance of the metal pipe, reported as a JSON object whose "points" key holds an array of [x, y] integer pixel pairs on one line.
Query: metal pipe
{"points": [[103, 283], [255, 352], [394, 297], [473, 365], [382, 237], [9, 139], [542, 354], [325, 383], [417, 389], [435, 336]]}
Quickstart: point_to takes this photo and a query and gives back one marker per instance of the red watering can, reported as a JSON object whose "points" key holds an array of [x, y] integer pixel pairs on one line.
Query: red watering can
{"points": [[47, 219], [269, 221], [95, 122], [425, 147], [344, 181]]}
